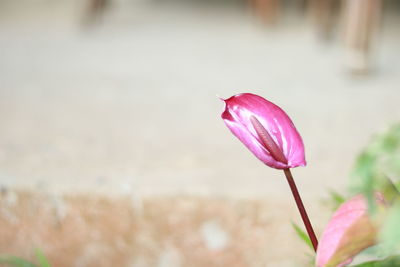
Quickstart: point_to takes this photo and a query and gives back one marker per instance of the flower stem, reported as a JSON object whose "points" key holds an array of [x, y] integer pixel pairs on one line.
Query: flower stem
{"points": [[301, 208]]}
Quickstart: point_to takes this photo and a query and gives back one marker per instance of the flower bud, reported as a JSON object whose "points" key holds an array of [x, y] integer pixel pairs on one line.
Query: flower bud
{"points": [[265, 129]]}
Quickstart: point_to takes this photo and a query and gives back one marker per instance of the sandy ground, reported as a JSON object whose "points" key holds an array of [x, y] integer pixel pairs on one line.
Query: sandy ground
{"points": [[129, 107], [174, 231]]}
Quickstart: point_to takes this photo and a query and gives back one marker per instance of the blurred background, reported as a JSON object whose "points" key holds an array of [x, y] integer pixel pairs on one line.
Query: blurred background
{"points": [[112, 149]]}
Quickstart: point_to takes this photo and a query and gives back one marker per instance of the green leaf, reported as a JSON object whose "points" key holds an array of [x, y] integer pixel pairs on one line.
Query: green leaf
{"points": [[16, 261], [363, 177], [389, 190], [388, 262], [379, 160], [368, 264], [335, 200], [43, 262], [303, 236], [390, 232]]}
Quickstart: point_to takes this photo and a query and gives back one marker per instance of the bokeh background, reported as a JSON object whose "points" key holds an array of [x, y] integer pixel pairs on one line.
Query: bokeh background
{"points": [[112, 150]]}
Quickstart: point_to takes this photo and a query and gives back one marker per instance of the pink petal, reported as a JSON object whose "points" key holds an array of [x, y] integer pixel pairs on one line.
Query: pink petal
{"points": [[237, 114]]}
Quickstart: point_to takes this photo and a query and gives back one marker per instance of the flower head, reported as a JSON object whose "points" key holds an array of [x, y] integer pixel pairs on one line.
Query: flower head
{"points": [[265, 129]]}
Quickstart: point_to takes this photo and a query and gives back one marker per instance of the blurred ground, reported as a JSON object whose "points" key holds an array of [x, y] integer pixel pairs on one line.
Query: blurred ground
{"points": [[163, 231], [129, 107]]}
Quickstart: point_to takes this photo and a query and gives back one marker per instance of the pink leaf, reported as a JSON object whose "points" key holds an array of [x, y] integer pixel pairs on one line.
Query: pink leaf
{"points": [[349, 231]]}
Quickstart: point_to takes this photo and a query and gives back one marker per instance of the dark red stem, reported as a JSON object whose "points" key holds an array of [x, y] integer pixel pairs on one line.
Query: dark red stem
{"points": [[278, 155], [301, 208]]}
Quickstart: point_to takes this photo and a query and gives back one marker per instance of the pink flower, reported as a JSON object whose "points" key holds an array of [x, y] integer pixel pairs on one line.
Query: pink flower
{"points": [[265, 129]]}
